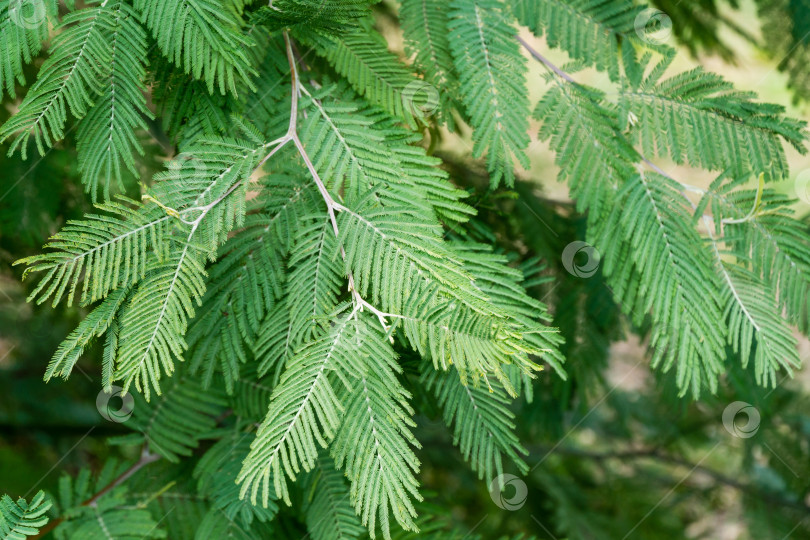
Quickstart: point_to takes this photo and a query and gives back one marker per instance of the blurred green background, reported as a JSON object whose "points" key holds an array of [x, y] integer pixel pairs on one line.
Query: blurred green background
{"points": [[611, 449]]}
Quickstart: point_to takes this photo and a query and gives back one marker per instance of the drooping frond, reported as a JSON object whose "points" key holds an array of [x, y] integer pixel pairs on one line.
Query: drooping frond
{"points": [[23, 29], [697, 118], [361, 55], [598, 33], [204, 37], [154, 322], [329, 513], [310, 15], [593, 156], [374, 442], [755, 323], [771, 239], [677, 281], [106, 137], [305, 410], [216, 479], [492, 74], [69, 80], [21, 519], [316, 279], [101, 252], [94, 325], [483, 425], [424, 23]]}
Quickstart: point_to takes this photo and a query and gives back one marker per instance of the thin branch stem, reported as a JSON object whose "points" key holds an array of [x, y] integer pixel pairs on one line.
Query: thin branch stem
{"points": [[545, 61], [332, 206], [146, 458]]}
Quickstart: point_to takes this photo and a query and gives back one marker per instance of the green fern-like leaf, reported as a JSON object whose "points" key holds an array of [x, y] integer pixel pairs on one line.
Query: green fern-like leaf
{"points": [[374, 442], [755, 324], [23, 29], [70, 80], [483, 424], [697, 118], [333, 17], [97, 322], [361, 55], [771, 238], [329, 513], [672, 265], [305, 411], [173, 424], [492, 73], [106, 138], [21, 519], [202, 36], [316, 277], [599, 33]]}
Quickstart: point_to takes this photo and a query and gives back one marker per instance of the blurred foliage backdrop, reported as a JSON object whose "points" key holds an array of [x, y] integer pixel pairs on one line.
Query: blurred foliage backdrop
{"points": [[612, 449]]}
